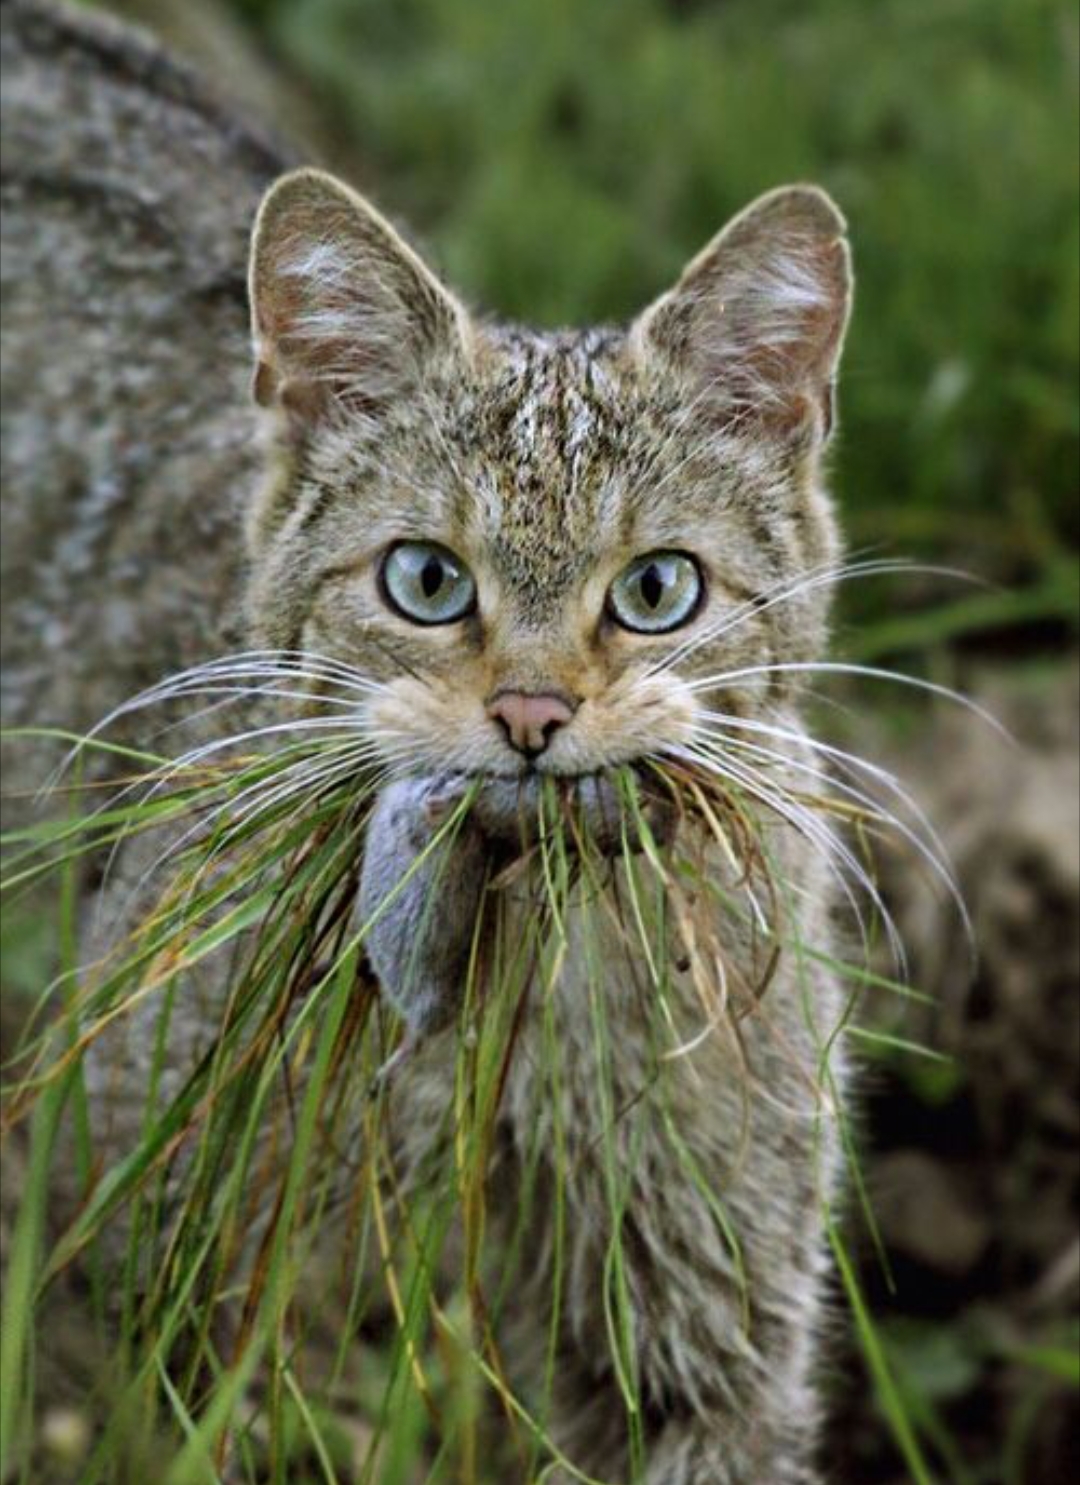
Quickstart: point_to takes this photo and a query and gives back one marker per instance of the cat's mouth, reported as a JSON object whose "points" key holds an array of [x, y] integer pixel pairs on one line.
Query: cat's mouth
{"points": [[514, 811]]}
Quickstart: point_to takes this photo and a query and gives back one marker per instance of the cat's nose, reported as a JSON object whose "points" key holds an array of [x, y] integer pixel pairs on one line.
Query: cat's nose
{"points": [[530, 722]]}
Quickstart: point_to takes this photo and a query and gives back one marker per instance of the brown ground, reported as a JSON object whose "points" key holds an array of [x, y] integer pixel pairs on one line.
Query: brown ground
{"points": [[974, 1166]]}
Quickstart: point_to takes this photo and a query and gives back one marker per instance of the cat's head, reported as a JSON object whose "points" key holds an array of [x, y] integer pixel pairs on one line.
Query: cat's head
{"points": [[544, 545]]}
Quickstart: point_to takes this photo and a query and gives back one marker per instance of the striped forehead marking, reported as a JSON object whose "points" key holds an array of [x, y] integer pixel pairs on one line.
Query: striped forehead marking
{"points": [[553, 430]]}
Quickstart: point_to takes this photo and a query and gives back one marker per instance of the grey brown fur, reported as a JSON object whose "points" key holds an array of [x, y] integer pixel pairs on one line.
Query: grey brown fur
{"points": [[548, 461], [421, 896], [420, 956]]}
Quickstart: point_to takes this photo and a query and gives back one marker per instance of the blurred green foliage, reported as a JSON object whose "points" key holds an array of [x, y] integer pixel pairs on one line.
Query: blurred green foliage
{"points": [[564, 159]]}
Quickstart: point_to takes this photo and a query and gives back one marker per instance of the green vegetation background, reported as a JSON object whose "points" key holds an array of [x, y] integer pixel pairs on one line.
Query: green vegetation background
{"points": [[563, 158]]}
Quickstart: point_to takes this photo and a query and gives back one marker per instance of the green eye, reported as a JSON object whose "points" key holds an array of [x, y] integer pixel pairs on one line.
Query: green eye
{"points": [[427, 584], [657, 592]]}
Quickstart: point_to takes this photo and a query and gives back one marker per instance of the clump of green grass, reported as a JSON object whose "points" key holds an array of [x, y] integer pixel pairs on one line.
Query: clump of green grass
{"points": [[288, 1127]]}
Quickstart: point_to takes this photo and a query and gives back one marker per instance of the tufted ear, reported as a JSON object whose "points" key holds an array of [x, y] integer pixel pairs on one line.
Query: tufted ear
{"points": [[756, 322], [344, 313]]}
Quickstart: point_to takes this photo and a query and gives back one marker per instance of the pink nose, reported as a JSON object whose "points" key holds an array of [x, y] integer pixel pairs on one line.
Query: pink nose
{"points": [[530, 722]]}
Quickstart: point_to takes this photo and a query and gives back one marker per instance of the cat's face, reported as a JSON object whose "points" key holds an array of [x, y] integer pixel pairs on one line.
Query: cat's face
{"points": [[544, 546]]}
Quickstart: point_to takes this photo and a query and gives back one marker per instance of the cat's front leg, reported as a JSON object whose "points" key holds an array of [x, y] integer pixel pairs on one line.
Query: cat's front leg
{"points": [[714, 1414]]}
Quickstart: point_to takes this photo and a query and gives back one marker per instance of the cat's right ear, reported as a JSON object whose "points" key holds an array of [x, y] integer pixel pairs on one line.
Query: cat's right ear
{"points": [[345, 316], [754, 327]]}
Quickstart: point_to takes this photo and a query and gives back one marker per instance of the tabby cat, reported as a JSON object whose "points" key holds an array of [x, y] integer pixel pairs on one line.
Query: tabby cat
{"points": [[549, 555], [542, 548]]}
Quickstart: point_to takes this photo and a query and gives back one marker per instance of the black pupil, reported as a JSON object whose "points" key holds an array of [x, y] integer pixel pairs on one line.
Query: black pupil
{"points": [[431, 576], [652, 585]]}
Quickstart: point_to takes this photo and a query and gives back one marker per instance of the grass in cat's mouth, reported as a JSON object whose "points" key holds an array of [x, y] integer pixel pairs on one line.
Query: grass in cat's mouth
{"points": [[258, 855], [264, 849], [256, 860]]}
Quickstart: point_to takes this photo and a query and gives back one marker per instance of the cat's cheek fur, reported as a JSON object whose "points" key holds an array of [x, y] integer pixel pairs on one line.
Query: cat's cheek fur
{"points": [[444, 726], [635, 717], [438, 726]]}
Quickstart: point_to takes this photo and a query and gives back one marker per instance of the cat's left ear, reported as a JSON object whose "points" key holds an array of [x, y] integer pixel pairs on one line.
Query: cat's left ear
{"points": [[345, 316], [755, 325]]}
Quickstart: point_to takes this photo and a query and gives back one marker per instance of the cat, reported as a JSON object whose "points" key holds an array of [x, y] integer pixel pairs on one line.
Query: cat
{"points": [[512, 533], [538, 547]]}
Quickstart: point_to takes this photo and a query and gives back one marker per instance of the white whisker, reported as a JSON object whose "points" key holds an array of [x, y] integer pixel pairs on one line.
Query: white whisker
{"points": [[788, 589], [841, 667], [851, 763], [239, 668], [843, 865], [306, 777], [933, 856]]}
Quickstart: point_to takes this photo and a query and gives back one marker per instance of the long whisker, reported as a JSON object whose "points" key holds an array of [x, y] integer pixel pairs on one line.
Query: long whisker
{"points": [[298, 727], [306, 777], [841, 667], [853, 766], [937, 863], [786, 590], [726, 770], [272, 665], [240, 667], [234, 692], [195, 757], [843, 865], [300, 779]]}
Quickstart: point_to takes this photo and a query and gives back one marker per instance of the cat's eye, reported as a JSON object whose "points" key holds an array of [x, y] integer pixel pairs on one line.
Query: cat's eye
{"points": [[426, 583], [656, 592]]}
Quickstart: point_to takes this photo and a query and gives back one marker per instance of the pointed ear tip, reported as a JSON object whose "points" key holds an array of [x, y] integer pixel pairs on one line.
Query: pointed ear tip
{"points": [[295, 205], [298, 191], [803, 202]]}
